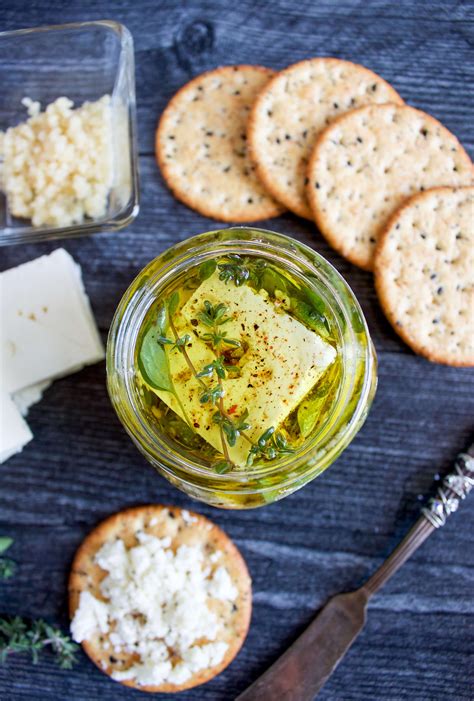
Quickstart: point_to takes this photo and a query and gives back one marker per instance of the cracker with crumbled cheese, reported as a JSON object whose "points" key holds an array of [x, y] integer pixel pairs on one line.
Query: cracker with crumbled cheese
{"points": [[160, 598]]}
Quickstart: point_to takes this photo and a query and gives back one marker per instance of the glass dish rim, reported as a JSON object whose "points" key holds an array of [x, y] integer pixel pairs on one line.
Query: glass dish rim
{"points": [[29, 234], [187, 467]]}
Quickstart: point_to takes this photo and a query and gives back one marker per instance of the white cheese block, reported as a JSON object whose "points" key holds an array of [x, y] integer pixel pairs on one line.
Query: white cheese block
{"points": [[25, 398], [282, 362], [47, 328], [14, 431]]}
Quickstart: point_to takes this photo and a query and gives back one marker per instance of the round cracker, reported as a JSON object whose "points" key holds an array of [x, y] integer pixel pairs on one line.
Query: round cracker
{"points": [[293, 108], [183, 527], [368, 162], [201, 145], [424, 274]]}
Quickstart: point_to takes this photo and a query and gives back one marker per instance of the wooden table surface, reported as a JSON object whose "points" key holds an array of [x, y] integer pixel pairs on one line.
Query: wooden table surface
{"points": [[326, 538]]}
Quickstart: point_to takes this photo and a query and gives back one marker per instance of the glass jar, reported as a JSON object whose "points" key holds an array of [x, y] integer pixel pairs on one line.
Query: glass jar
{"points": [[263, 483]]}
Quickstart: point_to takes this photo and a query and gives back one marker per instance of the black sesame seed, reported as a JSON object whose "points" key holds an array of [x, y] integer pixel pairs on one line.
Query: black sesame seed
{"points": [[278, 140], [432, 276], [317, 186], [269, 112], [423, 236], [374, 87], [209, 133], [435, 321], [349, 163], [335, 105], [171, 137], [287, 137], [359, 139], [226, 170], [424, 132], [440, 290], [250, 200], [305, 134], [237, 92], [306, 181]]}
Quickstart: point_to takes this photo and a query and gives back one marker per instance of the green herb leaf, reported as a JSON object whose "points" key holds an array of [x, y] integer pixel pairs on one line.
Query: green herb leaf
{"points": [[206, 269], [5, 543], [162, 319], [310, 317], [7, 568], [223, 466], [173, 303], [153, 362]]}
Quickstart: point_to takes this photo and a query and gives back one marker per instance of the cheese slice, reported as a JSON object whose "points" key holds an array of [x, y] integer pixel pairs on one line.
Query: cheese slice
{"points": [[47, 328], [282, 362], [14, 431]]}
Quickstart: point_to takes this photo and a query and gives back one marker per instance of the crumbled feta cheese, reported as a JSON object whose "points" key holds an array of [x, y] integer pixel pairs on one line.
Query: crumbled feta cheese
{"points": [[91, 615], [187, 518], [58, 165], [157, 607]]}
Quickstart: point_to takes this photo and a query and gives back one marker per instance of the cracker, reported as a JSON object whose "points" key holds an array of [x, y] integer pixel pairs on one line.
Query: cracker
{"points": [[293, 108], [201, 145], [424, 274], [368, 162], [183, 528]]}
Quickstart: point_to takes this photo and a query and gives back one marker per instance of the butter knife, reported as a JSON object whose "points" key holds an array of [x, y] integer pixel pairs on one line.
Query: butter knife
{"points": [[300, 673]]}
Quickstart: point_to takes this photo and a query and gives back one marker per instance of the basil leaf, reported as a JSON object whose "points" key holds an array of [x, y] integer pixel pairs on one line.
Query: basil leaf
{"points": [[5, 543], [309, 412], [271, 281], [153, 362], [311, 317], [206, 269], [173, 303], [162, 320]]}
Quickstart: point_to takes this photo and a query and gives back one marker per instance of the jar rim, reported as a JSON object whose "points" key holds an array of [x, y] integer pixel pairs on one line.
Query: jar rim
{"points": [[142, 293]]}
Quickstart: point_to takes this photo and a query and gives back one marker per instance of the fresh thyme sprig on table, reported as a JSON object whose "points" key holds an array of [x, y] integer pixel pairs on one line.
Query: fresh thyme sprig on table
{"points": [[271, 444], [20, 635], [7, 565]]}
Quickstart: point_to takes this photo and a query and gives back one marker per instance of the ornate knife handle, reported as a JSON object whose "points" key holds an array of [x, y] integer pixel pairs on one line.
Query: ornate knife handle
{"points": [[454, 488]]}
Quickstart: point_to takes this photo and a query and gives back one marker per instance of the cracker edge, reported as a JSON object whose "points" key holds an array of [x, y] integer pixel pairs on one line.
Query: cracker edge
{"points": [[265, 213], [333, 240], [379, 279], [262, 172], [101, 533]]}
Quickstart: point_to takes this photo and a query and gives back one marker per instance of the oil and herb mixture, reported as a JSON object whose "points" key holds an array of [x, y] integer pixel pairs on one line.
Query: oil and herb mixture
{"points": [[238, 364]]}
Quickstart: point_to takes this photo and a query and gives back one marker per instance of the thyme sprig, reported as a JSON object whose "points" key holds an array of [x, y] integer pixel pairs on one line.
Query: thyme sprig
{"points": [[21, 635]]}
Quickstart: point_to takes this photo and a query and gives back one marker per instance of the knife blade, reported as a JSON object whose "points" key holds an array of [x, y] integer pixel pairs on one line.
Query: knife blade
{"points": [[304, 668]]}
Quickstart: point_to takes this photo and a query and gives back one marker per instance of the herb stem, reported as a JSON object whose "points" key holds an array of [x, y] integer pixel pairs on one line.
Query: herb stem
{"points": [[185, 353]]}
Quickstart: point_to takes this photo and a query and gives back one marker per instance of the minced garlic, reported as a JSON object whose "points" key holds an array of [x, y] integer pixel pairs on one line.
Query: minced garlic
{"points": [[58, 165]]}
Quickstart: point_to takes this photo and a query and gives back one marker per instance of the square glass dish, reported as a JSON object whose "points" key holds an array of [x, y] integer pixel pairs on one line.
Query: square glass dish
{"points": [[81, 61]]}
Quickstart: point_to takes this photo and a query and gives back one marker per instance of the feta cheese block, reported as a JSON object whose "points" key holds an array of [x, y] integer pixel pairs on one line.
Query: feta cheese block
{"points": [[14, 431], [281, 363], [47, 328], [159, 598]]}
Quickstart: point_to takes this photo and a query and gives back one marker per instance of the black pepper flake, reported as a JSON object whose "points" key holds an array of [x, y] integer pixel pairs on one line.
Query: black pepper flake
{"points": [[458, 236], [194, 322], [374, 87], [250, 200], [287, 137], [270, 113], [349, 163], [171, 137], [423, 236], [359, 139], [226, 170], [278, 140], [209, 133], [335, 105], [237, 92], [256, 327], [305, 134], [435, 321], [195, 424]]}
